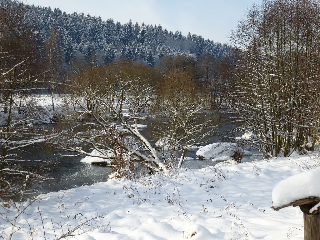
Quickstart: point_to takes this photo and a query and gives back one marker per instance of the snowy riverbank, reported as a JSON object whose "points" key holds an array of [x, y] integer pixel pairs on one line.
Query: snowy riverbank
{"points": [[222, 202]]}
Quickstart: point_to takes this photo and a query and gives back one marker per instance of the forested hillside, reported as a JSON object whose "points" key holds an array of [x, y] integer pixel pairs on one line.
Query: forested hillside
{"points": [[84, 37]]}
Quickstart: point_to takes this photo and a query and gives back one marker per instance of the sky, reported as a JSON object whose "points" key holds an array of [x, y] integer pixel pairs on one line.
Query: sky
{"points": [[212, 19]]}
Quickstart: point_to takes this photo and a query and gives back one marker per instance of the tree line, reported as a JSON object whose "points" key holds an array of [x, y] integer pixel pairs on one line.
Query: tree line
{"points": [[85, 37]]}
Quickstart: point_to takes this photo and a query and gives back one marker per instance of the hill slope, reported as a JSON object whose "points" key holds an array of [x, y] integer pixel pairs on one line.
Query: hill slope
{"points": [[84, 36]]}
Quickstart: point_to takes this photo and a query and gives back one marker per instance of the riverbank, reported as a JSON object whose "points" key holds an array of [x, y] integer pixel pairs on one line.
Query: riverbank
{"points": [[226, 201]]}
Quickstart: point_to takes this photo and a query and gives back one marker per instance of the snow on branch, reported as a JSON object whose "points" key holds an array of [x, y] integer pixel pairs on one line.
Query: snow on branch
{"points": [[20, 63]]}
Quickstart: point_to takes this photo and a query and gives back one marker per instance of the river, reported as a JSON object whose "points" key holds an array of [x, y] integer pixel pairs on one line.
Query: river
{"points": [[68, 172]]}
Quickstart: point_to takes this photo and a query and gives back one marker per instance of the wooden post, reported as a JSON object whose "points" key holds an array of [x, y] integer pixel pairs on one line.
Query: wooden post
{"points": [[311, 220], [311, 223]]}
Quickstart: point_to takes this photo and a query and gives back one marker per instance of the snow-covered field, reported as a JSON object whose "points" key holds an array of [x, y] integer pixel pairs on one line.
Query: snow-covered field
{"points": [[35, 109], [223, 202]]}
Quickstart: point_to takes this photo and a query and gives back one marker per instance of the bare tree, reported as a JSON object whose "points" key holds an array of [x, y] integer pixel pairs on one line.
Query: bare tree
{"points": [[278, 73], [19, 72], [54, 62], [109, 102], [183, 106], [213, 75], [180, 62]]}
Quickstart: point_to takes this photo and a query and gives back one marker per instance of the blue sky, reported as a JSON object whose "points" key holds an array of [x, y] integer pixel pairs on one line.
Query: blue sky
{"points": [[213, 19]]}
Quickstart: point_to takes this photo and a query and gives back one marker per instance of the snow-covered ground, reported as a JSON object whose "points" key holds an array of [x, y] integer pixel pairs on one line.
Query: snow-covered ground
{"points": [[35, 109], [223, 202]]}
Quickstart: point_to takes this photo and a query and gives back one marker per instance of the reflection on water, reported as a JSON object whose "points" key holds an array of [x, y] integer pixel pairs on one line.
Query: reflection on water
{"points": [[60, 172], [77, 174]]}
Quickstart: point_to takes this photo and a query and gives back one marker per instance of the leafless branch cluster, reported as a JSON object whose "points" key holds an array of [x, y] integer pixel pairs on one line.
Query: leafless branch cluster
{"points": [[20, 71], [110, 102]]}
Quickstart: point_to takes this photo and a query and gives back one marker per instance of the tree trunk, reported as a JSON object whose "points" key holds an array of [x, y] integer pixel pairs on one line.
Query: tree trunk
{"points": [[311, 226], [182, 157], [52, 98], [311, 223]]}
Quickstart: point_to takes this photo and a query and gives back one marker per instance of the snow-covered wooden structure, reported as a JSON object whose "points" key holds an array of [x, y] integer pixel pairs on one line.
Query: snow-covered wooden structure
{"points": [[301, 190]]}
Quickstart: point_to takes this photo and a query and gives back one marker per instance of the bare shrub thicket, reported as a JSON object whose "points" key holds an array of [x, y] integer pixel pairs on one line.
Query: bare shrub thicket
{"points": [[213, 74], [181, 103], [111, 101]]}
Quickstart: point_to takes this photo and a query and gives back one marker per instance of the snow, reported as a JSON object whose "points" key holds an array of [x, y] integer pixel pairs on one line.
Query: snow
{"points": [[164, 143], [140, 126], [94, 157], [42, 109], [315, 208], [246, 136], [297, 187], [221, 151], [223, 202]]}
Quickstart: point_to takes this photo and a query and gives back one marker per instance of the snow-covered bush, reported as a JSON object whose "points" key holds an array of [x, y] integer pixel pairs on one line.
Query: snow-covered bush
{"points": [[221, 151]]}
